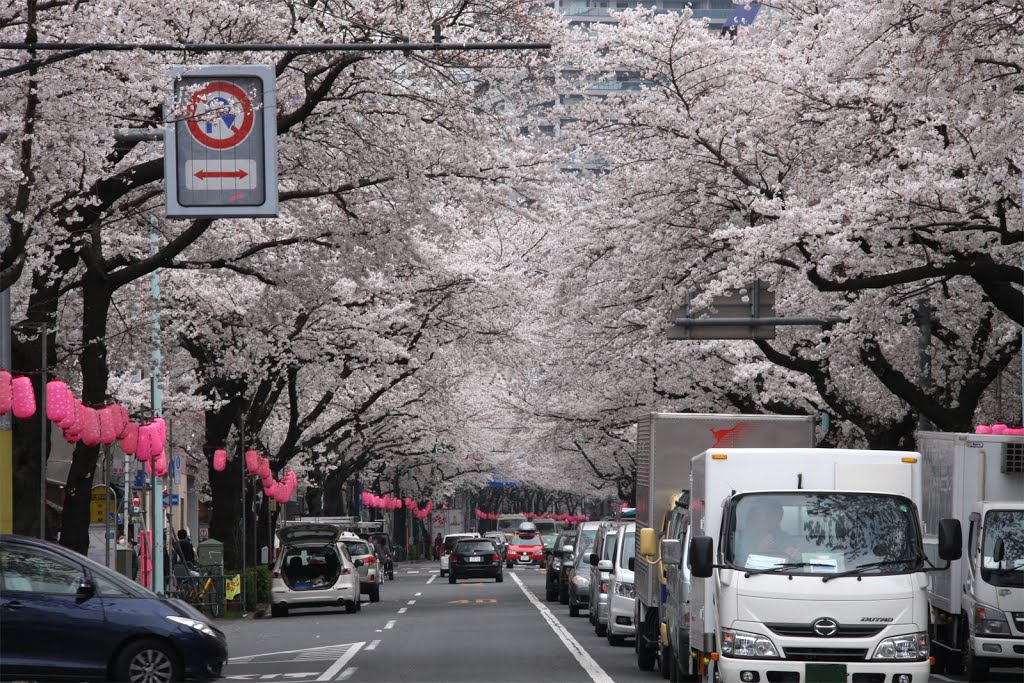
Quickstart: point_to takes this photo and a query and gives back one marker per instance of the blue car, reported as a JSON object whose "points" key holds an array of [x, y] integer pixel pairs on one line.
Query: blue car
{"points": [[65, 617]]}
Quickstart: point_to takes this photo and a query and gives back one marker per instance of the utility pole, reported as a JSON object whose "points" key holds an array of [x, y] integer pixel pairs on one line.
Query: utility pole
{"points": [[158, 410]]}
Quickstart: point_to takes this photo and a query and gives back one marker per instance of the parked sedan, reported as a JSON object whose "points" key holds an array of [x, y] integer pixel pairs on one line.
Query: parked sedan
{"points": [[63, 616], [475, 558]]}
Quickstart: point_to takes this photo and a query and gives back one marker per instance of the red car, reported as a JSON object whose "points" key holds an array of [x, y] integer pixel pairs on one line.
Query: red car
{"points": [[525, 548]]}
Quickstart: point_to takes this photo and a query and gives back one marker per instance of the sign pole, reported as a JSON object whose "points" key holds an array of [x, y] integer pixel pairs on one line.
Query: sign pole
{"points": [[43, 424]]}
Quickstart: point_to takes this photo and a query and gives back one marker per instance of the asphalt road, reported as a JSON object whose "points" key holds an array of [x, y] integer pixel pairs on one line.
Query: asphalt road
{"points": [[425, 630]]}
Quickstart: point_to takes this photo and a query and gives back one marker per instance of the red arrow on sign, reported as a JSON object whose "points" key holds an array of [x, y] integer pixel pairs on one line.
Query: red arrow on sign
{"points": [[203, 175]]}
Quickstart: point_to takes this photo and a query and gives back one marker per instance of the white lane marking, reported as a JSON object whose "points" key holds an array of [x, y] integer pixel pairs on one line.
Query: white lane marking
{"points": [[418, 594], [373, 645], [390, 624], [412, 602], [431, 579], [333, 669], [403, 610], [347, 673], [593, 669], [417, 571], [289, 652]]}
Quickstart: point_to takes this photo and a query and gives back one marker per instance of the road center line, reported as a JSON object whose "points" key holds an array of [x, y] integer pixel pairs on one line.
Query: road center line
{"points": [[412, 602], [593, 669], [418, 594], [390, 624], [347, 673], [403, 610], [342, 661], [431, 579], [373, 645]]}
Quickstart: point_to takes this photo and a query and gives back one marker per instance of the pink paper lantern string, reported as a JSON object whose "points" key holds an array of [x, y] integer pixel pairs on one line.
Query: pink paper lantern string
{"points": [[71, 417], [130, 438], [220, 459], [91, 428], [23, 399], [110, 424], [57, 403], [264, 469], [5, 392], [252, 461], [160, 464], [144, 450], [158, 434]]}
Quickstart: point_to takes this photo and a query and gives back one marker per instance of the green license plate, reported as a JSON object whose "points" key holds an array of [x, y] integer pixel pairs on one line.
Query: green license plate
{"points": [[825, 673]]}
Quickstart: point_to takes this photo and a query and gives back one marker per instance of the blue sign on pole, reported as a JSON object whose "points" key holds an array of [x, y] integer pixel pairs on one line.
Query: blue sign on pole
{"points": [[496, 483]]}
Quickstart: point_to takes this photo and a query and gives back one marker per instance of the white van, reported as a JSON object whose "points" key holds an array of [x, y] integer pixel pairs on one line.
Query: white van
{"points": [[621, 591]]}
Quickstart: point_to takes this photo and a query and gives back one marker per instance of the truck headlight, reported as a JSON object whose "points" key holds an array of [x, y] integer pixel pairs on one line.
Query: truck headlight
{"points": [[625, 590], [581, 581], [989, 621], [912, 647], [751, 645]]}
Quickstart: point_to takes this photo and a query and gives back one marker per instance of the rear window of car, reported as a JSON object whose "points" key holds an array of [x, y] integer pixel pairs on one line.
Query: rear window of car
{"points": [[358, 548], [531, 539], [450, 541], [474, 546]]}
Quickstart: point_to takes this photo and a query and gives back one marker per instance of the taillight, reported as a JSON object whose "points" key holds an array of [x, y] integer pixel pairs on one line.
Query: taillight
{"points": [[275, 575], [346, 571], [370, 560], [495, 557], [453, 558], [604, 586]]}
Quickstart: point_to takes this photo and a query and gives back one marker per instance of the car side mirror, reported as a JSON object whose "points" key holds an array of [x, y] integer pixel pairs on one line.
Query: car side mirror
{"points": [[567, 549], [701, 556], [86, 588], [592, 559], [605, 565], [951, 544], [631, 564], [999, 551], [358, 562], [671, 552]]}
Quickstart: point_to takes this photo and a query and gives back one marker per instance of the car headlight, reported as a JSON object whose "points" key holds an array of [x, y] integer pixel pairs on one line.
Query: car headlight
{"points": [[581, 581], [751, 645], [912, 647], [990, 622], [626, 590], [200, 626]]}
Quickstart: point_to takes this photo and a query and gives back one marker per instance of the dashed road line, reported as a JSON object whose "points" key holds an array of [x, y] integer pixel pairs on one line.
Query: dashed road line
{"points": [[412, 602], [403, 610], [390, 624], [373, 645], [418, 594], [347, 673], [431, 579]]}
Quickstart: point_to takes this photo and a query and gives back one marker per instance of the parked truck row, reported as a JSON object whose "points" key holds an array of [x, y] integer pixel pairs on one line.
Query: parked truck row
{"points": [[760, 558]]}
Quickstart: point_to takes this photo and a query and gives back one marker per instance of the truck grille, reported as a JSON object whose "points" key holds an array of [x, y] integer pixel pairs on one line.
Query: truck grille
{"points": [[1013, 458], [805, 631], [825, 654], [1018, 620]]}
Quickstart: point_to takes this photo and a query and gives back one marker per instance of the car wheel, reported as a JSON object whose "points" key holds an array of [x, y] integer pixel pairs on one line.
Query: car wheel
{"points": [[352, 607], [375, 593], [499, 578], [391, 575], [563, 597], [574, 611], [601, 630], [451, 578], [614, 640], [550, 595], [147, 661], [278, 611], [508, 565]]}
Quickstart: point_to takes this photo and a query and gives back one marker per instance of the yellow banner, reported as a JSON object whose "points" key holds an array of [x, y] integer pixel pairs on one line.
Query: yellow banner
{"points": [[232, 586]]}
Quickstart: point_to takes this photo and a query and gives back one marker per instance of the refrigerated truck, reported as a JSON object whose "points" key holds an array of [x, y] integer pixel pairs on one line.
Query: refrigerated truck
{"points": [[665, 444], [807, 566], [978, 607]]}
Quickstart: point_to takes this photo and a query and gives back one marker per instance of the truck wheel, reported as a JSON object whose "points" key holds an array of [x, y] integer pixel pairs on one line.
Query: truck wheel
{"points": [[975, 668], [665, 662]]}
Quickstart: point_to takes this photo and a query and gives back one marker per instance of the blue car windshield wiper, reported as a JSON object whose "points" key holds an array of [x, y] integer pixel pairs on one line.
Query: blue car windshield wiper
{"points": [[860, 568]]}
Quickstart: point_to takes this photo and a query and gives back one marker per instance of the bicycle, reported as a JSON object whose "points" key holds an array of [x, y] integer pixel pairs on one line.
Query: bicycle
{"points": [[206, 595]]}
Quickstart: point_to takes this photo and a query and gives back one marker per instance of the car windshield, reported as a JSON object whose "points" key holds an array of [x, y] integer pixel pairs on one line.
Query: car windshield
{"points": [[628, 549], [358, 548], [529, 539], [474, 546], [1007, 525], [609, 547], [586, 540], [823, 533]]}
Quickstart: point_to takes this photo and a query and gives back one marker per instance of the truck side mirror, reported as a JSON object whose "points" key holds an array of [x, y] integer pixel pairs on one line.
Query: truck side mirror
{"points": [[951, 543], [648, 541], [702, 553], [672, 551], [999, 551]]}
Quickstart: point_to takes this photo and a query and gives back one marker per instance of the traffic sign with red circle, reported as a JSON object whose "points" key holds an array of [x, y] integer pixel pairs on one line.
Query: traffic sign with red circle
{"points": [[220, 115]]}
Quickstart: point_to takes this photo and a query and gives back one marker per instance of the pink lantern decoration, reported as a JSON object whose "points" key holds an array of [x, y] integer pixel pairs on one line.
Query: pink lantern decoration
{"points": [[57, 405], [160, 464], [144, 450], [72, 437], [264, 468], [220, 459], [5, 392], [110, 424], [23, 399], [130, 438], [158, 434], [983, 429], [998, 428], [125, 420], [91, 428], [252, 461], [72, 416]]}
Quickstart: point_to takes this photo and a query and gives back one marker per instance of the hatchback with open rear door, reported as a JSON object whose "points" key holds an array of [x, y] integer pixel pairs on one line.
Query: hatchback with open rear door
{"points": [[313, 569]]}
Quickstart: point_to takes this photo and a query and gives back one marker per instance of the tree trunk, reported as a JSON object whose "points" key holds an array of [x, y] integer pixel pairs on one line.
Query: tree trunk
{"points": [[226, 486], [96, 297]]}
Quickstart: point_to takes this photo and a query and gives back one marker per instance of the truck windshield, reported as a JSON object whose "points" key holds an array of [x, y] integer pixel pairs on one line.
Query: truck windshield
{"points": [[823, 533], [1009, 526]]}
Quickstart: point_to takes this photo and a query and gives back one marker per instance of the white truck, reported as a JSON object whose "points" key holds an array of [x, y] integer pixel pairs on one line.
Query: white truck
{"points": [[807, 566], [665, 444], [978, 607]]}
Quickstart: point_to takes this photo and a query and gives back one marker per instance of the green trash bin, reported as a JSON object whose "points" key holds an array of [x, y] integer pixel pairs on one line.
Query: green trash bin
{"points": [[210, 557]]}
